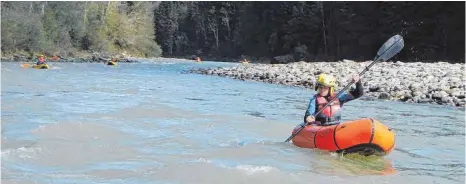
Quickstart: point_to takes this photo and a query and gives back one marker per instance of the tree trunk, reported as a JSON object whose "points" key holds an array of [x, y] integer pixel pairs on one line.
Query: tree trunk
{"points": [[30, 8], [85, 16], [323, 27], [103, 14], [43, 8], [108, 7], [228, 26], [214, 29], [216, 37], [213, 26], [338, 46], [170, 46], [445, 38]]}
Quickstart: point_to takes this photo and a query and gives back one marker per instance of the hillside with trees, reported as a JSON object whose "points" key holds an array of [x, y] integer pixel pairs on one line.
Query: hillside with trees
{"points": [[278, 31], [67, 28], [311, 30]]}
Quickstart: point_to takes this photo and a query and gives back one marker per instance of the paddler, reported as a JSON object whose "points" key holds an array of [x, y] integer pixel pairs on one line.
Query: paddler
{"points": [[40, 59], [325, 86]]}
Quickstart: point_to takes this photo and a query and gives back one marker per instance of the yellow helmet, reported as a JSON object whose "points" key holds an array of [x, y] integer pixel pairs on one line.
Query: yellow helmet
{"points": [[326, 80]]}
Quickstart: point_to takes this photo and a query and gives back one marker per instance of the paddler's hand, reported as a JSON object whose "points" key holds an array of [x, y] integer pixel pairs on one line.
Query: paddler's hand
{"points": [[310, 119], [356, 78]]}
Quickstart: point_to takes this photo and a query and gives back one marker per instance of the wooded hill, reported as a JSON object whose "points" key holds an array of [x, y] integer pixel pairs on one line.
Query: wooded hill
{"points": [[309, 30], [68, 28]]}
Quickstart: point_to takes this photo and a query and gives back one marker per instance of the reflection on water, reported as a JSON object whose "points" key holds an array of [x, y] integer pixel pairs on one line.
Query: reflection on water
{"points": [[357, 165]]}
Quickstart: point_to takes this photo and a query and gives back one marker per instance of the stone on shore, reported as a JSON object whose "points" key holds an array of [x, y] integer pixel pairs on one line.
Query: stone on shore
{"points": [[414, 82]]}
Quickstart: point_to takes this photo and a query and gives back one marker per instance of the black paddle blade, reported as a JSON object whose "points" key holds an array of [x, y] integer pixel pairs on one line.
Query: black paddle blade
{"points": [[390, 48]]}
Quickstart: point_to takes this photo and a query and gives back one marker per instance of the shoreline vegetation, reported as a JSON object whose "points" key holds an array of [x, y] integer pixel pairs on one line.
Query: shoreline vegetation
{"points": [[79, 58], [265, 32], [87, 57]]}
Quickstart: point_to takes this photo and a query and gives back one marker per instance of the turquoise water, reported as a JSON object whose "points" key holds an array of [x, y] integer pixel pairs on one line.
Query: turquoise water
{"points": [[153, 122]]}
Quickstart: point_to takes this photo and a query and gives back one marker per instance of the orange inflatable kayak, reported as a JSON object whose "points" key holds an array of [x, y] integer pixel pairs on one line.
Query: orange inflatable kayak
{"points": [[365, 136]]}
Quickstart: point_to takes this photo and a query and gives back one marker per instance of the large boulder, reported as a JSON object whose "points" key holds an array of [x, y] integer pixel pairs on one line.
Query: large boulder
{"points": [[283, 59]]}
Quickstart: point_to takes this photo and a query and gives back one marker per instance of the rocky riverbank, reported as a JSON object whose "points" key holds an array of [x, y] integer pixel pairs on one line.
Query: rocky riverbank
{"points": [[440, 83], [82, 58]]}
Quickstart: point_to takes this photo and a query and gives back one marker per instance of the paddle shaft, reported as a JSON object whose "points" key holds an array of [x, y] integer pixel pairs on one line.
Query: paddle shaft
{"points": [[333, 99]]}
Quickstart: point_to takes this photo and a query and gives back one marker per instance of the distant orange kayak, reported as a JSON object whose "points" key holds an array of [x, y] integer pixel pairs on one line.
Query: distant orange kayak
{"points": [[366, 136]]}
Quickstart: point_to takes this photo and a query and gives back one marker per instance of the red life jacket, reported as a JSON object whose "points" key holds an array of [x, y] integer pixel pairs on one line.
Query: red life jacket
{"points": [[331, 112]]}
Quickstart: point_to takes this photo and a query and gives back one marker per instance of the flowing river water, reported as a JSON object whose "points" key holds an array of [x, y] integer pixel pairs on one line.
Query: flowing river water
{"points": [[154, 122]]}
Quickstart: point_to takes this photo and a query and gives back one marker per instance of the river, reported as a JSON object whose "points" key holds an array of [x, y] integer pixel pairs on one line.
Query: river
{"points": [[154, 122]]}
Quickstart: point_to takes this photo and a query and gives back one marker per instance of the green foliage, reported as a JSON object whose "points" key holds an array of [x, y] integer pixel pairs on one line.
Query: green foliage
{"points": [[9, 39], [50, 26], [310, 30], [70, 27]]}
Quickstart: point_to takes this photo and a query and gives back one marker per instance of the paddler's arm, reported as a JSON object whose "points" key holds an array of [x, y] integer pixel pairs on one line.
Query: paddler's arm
{"points": [[353, 94], [311, 108]]}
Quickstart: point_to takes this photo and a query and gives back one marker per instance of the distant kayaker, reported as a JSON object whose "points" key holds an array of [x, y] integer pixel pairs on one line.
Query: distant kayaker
{"points": [[40, 60], [326, 91], [55, 58]]}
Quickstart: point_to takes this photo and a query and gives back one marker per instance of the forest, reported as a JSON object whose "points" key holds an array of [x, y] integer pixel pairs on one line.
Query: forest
{"points": [[226, 31], [70, 28]]}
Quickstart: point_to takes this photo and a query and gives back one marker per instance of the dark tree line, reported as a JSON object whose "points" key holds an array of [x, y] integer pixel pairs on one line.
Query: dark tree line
{"points": [[311, 30], [308, 30]]}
